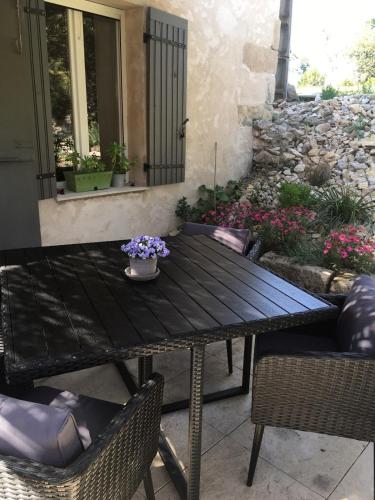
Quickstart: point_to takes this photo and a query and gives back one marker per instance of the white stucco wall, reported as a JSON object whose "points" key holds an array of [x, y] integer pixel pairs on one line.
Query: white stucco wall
{"points": [[231, 67]]}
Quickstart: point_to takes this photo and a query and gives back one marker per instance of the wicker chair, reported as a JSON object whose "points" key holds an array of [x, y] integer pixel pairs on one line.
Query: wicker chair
{"points": [[111, 468], [312, 389]]}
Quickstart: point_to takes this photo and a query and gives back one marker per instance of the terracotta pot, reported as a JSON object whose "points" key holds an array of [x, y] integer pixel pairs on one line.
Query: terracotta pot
{"points": [[142, 267]]}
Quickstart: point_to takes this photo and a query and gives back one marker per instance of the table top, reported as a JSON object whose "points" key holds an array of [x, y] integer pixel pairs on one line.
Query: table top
{"points": [[70, 307]]}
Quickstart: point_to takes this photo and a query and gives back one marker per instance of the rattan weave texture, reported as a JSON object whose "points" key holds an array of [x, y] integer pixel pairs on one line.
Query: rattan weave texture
{"points": [[112, 468]]}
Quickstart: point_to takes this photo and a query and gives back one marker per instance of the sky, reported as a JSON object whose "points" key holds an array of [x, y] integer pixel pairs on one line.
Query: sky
{"points": [[323, 31]]}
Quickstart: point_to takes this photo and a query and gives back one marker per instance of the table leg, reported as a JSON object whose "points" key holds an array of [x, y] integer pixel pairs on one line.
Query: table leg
{"points": [[246, 369], [195, 420]]}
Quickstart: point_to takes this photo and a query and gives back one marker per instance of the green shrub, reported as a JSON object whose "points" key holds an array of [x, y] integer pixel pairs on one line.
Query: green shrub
{"points": [[208, 198], [311, 77], [307, 250], [292, 194], [186, 212], [341, 205], [357, 128], [329, 92]]}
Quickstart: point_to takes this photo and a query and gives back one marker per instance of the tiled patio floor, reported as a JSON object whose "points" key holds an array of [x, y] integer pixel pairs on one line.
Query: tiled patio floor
{"points": [[293, 465]]}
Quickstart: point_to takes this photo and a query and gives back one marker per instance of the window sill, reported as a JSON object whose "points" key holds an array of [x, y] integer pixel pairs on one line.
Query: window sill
{"points": [[71, 196]]}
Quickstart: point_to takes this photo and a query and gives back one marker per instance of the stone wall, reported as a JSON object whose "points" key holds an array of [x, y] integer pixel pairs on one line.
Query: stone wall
{"points": [[310, 141], [231, 67]]}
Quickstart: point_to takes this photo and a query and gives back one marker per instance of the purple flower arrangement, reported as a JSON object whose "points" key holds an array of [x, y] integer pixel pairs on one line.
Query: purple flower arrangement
{"points": [[145, 247]]}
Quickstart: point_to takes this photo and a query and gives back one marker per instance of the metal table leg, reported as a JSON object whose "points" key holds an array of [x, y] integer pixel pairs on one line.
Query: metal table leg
{"points": [[195, 421]]}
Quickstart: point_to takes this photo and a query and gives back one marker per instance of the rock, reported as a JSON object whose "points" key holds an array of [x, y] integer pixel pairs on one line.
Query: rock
{"points": [[299, 168], [314, 278], [343, 282], [291, 92], [307, 135], [323, 127], [313, 152]]}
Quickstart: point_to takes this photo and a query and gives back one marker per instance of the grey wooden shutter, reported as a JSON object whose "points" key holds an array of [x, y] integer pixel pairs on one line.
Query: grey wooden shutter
{"points": [[36, 44], [166, 38]]}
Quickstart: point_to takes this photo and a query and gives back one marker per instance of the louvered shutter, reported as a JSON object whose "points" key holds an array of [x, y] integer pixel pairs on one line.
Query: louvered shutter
{"points": [[36, 45], [166, 38]]}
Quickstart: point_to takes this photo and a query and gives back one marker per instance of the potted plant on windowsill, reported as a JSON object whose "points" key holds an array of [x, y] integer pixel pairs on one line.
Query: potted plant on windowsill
{"points": [[143, 252], [120, 164], [89, 173]]}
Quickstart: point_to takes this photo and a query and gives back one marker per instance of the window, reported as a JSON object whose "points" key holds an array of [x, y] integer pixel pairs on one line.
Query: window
{"points": [[85, 75]]}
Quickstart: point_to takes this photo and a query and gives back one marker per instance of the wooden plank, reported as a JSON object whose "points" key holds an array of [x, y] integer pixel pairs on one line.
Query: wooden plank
{"points": [[85, 320], [219, 311], [267, 296], [142, 318], [59, 332], [169, 316], [198, 254], [192, 311], [276, 282], [28, 334], [242, 308], [116, 324]]}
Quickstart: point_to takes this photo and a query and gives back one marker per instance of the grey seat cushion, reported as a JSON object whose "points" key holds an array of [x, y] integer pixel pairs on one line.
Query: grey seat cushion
{"points": [[91, 415], [293, 342], [236, 239], [356, 323], [45, 434]]}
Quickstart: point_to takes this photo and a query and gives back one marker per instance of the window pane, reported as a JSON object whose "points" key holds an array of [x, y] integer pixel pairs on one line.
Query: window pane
{"points": [[101, 64], [60, 81]]}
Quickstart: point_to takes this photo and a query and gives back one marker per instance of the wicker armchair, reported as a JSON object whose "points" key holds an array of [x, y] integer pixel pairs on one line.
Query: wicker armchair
{"points": [[319, 389], [111, 468]]}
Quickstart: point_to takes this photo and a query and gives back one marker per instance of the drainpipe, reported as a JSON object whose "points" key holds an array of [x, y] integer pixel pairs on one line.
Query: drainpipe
{"points": [[284, 49]]}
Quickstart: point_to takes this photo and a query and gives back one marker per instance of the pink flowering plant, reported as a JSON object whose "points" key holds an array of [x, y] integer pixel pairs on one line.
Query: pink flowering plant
{"points": [[350, 248], [282, 228], [237, 215]]}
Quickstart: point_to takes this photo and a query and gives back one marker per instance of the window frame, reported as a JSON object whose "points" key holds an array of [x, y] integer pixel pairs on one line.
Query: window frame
{"points": [[78, 74]]}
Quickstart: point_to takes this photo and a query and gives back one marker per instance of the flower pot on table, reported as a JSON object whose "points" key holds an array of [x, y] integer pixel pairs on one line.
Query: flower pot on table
{"points": [[142, 267]]}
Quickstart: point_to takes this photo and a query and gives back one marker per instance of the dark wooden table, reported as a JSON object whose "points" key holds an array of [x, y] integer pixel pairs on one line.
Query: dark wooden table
{"points": [[70, 307]]}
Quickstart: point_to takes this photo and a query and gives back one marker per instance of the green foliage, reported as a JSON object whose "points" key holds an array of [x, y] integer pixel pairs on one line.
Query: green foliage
{"points": [[94, 137], [329, 92], [120, 162], [208, 198], [364, 53], [74, 159], [91, 164], [368, 86], [292, 194], [357, 128], [312, 77], [341, 205], [306, 250]]}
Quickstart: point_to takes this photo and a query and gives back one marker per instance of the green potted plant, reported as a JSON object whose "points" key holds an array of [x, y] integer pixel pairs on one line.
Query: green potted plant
{"points": [[120, 164], [89, 173]]}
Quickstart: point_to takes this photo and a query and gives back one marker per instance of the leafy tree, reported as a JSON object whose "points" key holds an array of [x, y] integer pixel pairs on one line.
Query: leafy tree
{"points": [[364, 52], [312, 77]]}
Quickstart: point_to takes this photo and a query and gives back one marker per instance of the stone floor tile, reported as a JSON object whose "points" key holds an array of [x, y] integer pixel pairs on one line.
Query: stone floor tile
{"points": [[176, 428], [358, 483], [102, 382], [316, 460], [224, 474], [227, 414]]}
